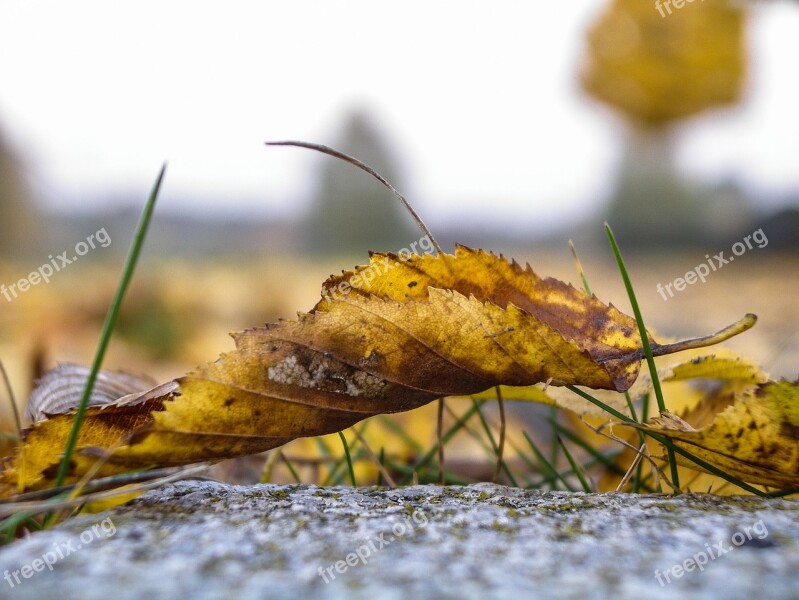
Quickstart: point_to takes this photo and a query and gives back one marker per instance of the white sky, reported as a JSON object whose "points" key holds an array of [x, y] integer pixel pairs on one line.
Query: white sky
{"points": [[481, 100]]}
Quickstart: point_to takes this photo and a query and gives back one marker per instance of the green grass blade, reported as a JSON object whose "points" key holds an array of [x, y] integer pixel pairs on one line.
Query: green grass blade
{"points": [[650, 360], [671, 446], [427, 476], [290, 467], [430, 454], [554, 448], [630, 405], [108, 326], [349, 458], [9, 525], [545, 464], [382, 461], [782, 493], [494, 446], [599, 457], [400, 432], [599, 403], [575, 467]]}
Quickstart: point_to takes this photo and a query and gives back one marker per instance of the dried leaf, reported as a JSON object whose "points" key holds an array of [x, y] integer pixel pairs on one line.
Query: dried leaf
{"points": [[755, 439], [60, 389], [407, 331], [727, 368]]}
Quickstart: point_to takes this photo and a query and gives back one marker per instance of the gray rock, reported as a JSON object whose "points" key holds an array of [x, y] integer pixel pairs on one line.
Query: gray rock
{"points": [[200, 539]]}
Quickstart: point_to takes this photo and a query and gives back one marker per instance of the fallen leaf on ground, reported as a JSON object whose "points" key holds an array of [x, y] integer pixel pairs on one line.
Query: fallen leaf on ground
{"points": [[387, 337], [755, 439]]}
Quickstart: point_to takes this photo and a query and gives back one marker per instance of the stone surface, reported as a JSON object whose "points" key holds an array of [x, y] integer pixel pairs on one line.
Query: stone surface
{"points": [[200, 539]]}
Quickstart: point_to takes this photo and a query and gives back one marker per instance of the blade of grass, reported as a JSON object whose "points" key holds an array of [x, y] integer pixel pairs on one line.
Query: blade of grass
{"points": [[108, 326], [590, 464], [669, 445], [428, 456], [269, 467], [553, 419], [782, 493], [650, 360], [333, 461], [473, 433], [11, 524], [639, 464], [334, 477], [545, 464], [575, 467], [401, 433], [579, 267], [428, 476], [629, 401], [338, 470], [599, 457], [554, 448], [599, 403], [501, 449], [439, 431], [290, 467], [364, 167], [382, 460], [500, 465], [349, 458], [375, 459]]}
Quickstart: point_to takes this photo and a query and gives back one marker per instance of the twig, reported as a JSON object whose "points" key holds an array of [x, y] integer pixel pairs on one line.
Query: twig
{"points": [[389, 480], [364, 167]]}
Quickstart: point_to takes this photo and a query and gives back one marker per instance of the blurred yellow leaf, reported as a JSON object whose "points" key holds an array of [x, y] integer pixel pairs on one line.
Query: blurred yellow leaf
{"points": [[657, 65]]}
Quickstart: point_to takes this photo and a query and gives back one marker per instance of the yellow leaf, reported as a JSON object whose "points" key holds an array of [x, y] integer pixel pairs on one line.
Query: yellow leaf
{"points": [[731, 368], [756, 439], [408, 331], [657, 65]]}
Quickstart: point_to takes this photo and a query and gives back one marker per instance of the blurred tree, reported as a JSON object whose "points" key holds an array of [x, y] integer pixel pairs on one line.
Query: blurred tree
{"points": [[351, 212], [18, 222], [657, 65]]}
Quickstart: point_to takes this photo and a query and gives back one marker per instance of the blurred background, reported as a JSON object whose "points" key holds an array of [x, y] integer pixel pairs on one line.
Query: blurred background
{"points": [[511, 126]]}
